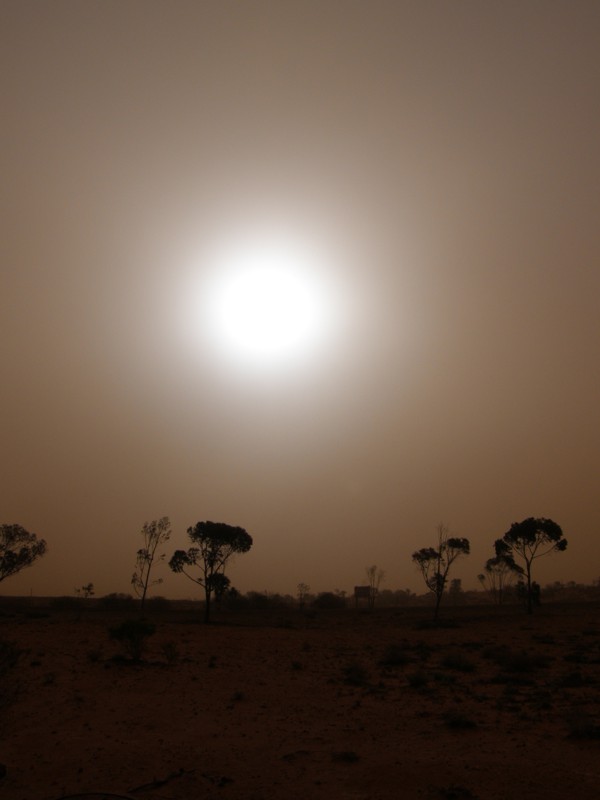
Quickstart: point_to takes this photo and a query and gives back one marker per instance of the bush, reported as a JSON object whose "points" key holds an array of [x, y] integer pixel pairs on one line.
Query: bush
{"points": [[457, 721], [171, 652], [458, 661], [519, 661], [345, 757], [418, 679], [157, 604], [117, 601], [329, 600], [582, 725], [266, 600], [355, 674], [395, 655], [9, 655], [66, 603], [132, 634]]}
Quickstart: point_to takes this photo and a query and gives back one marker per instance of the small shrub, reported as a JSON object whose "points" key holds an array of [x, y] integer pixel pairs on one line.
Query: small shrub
{"points": [[458, 721], [157, 604], [458, 661], [444, 678], [578, 656], [329, 600], [94, 656], [433, 624], [511, 680], [117, 601], [454, 792], [516, 661], [495, 653], [544, 638], [171, 652], [423, 651], [66, 603], [418, 679], [284, 622], [525, 662], [132, 634], [355, 674], [345, 757], [395, 655], [9, 656], [582, 725]]}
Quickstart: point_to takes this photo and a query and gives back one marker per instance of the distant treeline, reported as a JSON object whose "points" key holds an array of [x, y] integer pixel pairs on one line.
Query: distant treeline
{"points": [[556, 592]]}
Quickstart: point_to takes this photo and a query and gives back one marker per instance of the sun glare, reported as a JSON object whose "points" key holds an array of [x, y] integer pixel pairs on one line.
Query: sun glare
{"points": [[266, 300]]}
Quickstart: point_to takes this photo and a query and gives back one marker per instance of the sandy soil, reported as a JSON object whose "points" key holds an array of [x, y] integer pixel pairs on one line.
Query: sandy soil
{"points": [[288, 706]]}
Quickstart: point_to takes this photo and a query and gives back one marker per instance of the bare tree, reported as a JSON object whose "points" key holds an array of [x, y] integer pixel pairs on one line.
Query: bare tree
{"points": [[302, 590], [374, 577], [155, 534], [435, 562], [528, 540], [18, 549], [214, 543]]}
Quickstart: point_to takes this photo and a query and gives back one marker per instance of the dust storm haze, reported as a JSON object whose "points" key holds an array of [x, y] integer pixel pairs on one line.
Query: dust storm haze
{"points": [[443, 160]]}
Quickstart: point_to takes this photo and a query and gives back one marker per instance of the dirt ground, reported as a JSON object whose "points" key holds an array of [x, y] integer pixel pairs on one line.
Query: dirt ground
{"points": [[342, 704]]}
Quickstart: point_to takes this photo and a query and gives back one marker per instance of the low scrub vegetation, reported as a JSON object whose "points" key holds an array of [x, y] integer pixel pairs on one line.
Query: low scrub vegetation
{"points": [[133, 635]]}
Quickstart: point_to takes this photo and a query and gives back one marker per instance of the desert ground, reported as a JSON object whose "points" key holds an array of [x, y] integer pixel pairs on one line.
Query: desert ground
{"points": [[294, 704]]}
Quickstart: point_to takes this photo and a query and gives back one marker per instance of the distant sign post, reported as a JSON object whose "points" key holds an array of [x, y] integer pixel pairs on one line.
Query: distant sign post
{"points": [[363, 593]]}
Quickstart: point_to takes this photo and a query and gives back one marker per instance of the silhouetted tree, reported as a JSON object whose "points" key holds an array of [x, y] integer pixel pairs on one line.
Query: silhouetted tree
{"points": [[455, 591], [499, 574], [220, 584], [132, 634], [18, 549], [155, 534], [435, 562], [214, 543], [85, 591], [326, 600], [532, 538], [374, 576], [303, 590]]}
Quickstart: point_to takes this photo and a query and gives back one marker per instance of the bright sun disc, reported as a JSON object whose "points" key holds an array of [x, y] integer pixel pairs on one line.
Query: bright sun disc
{"points": [[265, 302]]}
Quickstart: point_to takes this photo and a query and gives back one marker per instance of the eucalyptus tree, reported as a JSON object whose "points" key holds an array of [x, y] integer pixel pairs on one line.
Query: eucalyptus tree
{"points": [[529, 540], [374, 577], [155, 534], [18, 549], [498, 575], [434, 563], [213, 545]]}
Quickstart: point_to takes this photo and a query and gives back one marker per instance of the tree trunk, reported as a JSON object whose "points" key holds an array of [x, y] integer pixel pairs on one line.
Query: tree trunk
{"points": [[207, 606], [529, 598]]}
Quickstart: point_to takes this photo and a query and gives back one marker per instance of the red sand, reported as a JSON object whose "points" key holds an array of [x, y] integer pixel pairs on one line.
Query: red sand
{"points": [[290, 707]]}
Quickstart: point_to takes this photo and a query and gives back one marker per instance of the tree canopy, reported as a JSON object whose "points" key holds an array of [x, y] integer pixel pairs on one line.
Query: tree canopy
{"points": [[213, 544], [18, 549], [529, 540], [499, 573], [155, 534], [435, 562]]}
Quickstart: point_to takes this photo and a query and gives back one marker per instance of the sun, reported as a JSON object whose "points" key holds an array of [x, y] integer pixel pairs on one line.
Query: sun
{"points": [[266, 301], [266, 310]]}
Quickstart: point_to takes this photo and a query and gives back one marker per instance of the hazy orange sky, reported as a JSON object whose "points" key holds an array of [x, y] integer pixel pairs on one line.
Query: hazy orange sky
{"points": [[446, 158]]}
